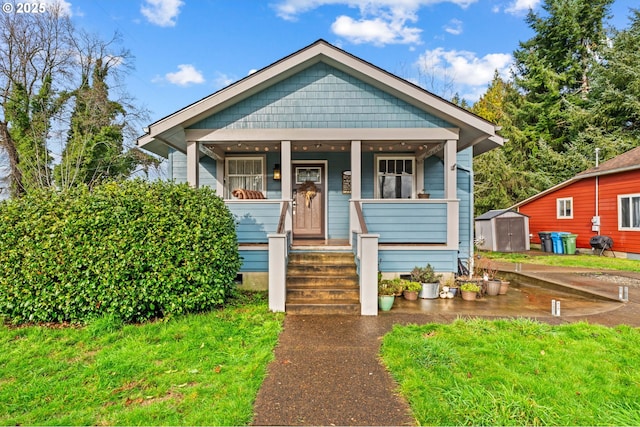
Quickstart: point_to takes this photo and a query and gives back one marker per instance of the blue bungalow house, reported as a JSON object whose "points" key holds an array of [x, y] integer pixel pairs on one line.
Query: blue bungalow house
{"points": [[335, 169]]}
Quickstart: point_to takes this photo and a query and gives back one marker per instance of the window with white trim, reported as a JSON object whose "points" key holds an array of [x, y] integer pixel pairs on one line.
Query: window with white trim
{"points": [[629, 212], [564, 208], [395, 177], [245, 173]]}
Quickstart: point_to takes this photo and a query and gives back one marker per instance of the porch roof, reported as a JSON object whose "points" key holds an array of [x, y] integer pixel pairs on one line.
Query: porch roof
{"points": [[470, 130]]}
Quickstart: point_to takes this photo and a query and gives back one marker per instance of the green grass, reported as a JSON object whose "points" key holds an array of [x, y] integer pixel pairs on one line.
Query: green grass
{"points": [[201, 369], [517, 372], [582, 261]]}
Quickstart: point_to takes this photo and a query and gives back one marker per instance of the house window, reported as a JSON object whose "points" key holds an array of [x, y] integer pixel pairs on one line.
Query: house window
{"points": [[395, 177], [244, 173], [565, 208], [629, 212]]}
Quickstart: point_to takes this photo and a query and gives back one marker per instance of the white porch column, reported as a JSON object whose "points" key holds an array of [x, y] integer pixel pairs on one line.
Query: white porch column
{"points": [[450, 193], [277, 272], [285, 177], [369, 274], [356, 183], [193, 163]]}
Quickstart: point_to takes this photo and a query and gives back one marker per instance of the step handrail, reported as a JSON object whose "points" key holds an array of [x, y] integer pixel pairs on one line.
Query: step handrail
{"points": [[283, 215], [363, 224]]}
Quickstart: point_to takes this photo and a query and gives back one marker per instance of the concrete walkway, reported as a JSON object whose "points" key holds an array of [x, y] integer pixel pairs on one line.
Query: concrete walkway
{"points": [[327, 371]]}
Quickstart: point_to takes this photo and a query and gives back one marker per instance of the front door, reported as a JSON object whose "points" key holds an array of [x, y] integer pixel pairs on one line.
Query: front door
{"points": [[308, 200]]}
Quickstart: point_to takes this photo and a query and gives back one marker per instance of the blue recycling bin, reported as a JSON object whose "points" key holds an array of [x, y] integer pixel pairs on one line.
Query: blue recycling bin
{"points": [[556, 239]]}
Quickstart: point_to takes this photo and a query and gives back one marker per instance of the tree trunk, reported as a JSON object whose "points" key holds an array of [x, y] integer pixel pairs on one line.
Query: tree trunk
{"points": [[15, 175]]}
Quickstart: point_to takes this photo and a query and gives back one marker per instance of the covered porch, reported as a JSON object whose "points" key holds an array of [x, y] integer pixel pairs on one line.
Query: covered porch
{"points": [[266, 227]]}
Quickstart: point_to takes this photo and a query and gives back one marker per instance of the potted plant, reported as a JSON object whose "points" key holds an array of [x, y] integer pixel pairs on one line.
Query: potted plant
{"points": [[386, 294], [449, 287], [487, 270], [504, 286], [429, 280], [469, 291], [411, 290]]}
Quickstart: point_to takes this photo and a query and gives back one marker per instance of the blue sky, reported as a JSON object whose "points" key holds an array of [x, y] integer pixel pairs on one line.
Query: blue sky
{"points": [[186, 49]]}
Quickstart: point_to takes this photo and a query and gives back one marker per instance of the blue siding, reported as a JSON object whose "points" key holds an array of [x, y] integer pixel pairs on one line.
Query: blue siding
{"points": [[321, 97], [274, 188], [367, 187], [433, 177], [178, 169], [177, 166], [207, 172], [407, 222], [403, 261], [254, 261], [255, 220]]}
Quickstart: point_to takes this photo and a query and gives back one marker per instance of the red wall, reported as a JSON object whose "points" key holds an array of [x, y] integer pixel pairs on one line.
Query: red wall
{"points": [[543, 217]]}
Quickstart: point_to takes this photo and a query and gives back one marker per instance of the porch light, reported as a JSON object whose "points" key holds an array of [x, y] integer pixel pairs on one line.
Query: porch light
{"points": [[276, 172]]}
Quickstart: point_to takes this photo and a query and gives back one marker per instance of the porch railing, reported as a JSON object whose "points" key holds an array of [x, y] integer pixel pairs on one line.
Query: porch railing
{"points": [[256, 218], [279, 244], [365, 247]]}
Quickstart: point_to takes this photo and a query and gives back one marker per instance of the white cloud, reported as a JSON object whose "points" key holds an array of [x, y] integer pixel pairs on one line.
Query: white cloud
{"points": [[377, 31], [380, 22], [290, 9], [518, 7], [464, 67], [187, 75], [467, 73], [454, 27], [161, 12], [223, 80]]}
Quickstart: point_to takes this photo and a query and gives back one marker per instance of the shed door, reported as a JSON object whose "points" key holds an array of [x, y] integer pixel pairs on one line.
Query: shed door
{"points": [[510, 234], [308, 201]]}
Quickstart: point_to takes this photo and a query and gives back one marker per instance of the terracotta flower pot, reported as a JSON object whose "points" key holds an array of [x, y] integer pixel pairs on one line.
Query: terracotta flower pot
{"points": [[504, 287], [410, 295], [469, 295]]}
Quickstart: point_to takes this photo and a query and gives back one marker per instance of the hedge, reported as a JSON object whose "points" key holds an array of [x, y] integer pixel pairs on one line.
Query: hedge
{"points": [[135, 250]]}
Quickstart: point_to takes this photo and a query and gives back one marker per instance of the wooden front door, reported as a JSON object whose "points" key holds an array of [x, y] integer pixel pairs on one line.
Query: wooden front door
{"points": [[308, 201]]}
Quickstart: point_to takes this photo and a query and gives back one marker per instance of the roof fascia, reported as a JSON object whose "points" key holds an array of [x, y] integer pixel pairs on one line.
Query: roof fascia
{"points": [[547, 191], [609, 172], [317, 52]]}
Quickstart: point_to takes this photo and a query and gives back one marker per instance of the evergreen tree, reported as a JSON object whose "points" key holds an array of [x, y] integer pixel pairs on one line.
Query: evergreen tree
{"points": [[613, 122], [553, 71]]}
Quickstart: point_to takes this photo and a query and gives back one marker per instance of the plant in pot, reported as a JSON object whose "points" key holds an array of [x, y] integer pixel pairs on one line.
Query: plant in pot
{"points": [[487, 270], [449, 287], [411, 290], [429, 279], [386, 294], [469, 291], [504, 286]]}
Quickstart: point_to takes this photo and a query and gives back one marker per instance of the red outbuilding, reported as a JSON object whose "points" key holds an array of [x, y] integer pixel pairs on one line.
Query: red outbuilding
{"points": [[604, 200]]}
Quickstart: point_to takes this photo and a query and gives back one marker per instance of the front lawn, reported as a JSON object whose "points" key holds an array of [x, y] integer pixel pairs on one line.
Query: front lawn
{"points": [[194, 370], [581, 261], [517, 372]]}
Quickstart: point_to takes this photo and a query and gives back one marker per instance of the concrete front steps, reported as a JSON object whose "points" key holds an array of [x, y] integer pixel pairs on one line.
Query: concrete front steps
{"points": [[322, 283]]}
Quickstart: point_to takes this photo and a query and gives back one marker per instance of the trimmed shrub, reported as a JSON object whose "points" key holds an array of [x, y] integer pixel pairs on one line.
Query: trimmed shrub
{"points": [[133, 250]]}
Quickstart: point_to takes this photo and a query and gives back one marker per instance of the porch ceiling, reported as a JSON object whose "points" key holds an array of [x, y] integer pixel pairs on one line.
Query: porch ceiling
{"points": [[426, 148]]}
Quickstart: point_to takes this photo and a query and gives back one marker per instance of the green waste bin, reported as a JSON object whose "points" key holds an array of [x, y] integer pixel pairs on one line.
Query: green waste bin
{"points": [[569, 243]]}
